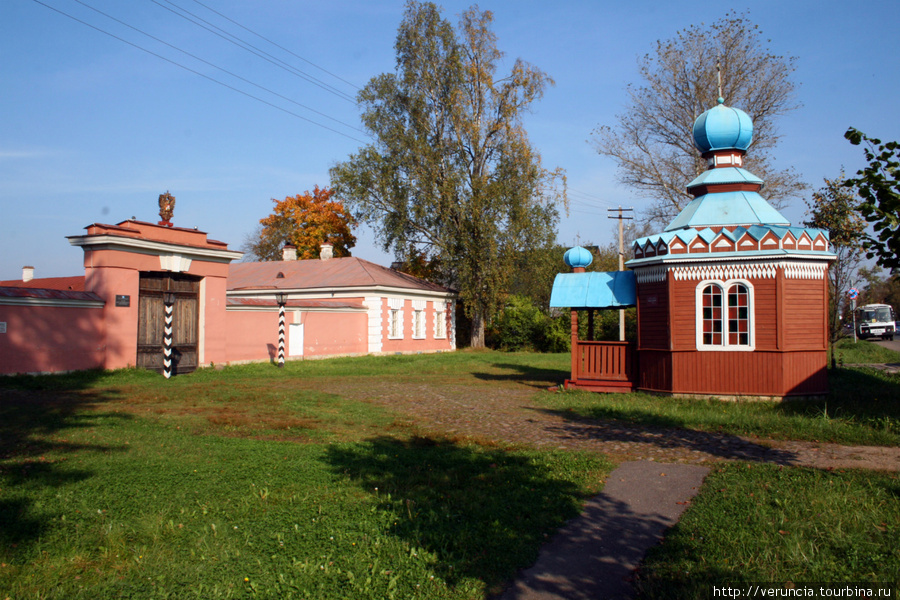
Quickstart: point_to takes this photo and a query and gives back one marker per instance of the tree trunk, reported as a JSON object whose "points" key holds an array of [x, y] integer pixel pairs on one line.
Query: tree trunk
{"points": [[477, 336]]}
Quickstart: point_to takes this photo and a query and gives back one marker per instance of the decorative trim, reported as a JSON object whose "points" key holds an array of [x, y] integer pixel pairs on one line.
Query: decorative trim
{"points": [[725, 272], [375, 322], [175, 263], [793, 269], [799, 270], [652, 274]]}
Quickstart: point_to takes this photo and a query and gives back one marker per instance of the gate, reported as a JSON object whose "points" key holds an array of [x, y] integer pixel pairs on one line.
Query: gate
{"points": [[151, 321]]}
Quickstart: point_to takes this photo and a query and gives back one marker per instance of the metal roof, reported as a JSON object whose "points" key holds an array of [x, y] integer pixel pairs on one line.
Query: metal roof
{"points": [[348, 272], [719, 209], [724, 175], [612, 289]]}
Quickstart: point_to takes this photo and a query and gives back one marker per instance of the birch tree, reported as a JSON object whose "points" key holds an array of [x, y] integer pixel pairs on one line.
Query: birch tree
{"points": [[450, 172]]}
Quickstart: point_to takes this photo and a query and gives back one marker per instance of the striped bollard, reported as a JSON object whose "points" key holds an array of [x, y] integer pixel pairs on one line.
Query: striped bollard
{"points": [[281, 334], [167, 339]]}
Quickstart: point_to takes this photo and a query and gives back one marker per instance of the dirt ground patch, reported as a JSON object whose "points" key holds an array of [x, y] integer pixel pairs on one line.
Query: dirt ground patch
{"points": [[506, 415]]}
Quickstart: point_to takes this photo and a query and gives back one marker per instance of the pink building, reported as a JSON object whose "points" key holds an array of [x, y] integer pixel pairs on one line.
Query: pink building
{"points": [[115, 315]]}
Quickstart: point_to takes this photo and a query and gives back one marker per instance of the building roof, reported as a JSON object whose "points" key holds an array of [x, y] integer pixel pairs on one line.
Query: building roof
{"points": [[348, 272], [75, 284], [612, 289], [42, 295], [719, 209], [309, 304]]}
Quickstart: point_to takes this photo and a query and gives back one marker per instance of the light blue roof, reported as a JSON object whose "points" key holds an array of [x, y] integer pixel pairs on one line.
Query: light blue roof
{"points": [[613, 289], [724, 175], [719, 209], [722, 128]]}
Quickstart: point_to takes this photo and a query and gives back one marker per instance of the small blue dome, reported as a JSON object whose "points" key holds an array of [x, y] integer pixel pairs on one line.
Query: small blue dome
{"points": [[723, 128], [578, 257]]}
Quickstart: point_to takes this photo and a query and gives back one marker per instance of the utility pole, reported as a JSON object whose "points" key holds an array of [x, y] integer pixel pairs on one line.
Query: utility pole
{"points": [[621, 219]]}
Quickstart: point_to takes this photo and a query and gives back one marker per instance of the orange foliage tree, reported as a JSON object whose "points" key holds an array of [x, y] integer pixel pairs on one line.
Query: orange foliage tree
{"points": [[306, 220]]}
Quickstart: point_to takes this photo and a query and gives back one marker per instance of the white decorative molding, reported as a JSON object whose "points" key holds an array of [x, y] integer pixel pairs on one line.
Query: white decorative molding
{"points": [[803, 270], [652, 274], [725, 272], [375, 331], [175, 263], [419, 304], [395, 303]]}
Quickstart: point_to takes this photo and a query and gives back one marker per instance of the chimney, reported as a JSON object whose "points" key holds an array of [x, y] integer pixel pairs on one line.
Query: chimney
{"points": [[289, 252], [326, 252], [27, 273]]}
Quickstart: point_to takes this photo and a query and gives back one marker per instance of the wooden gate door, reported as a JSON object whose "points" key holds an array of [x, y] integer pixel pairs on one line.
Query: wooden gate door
{"points": [[151, 321]]}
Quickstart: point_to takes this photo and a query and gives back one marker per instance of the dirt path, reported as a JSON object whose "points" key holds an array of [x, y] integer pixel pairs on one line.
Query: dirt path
{"points": [[508, 416]]}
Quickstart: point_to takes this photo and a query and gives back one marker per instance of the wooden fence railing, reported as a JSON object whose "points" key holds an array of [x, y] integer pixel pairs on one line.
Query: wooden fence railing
{"points": [[606, 363]]}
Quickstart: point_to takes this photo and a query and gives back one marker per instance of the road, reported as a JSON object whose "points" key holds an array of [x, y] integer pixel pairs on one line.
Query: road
{"points": [[893, 344]]}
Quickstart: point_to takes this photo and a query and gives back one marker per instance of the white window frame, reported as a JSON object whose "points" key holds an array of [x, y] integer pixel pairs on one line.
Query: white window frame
{"points": [[418, 324], [725, 287], [395, 318], [440, 320]]}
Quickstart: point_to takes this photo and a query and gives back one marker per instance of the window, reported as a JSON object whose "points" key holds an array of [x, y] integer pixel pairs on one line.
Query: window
{"points": [[440, 320], [395, 318], [724, 316], [419, 324], [396, 324], [712, 315]]}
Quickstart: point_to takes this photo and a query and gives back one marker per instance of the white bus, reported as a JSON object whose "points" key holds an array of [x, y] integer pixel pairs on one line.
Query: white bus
{"points": [[875, 320]]}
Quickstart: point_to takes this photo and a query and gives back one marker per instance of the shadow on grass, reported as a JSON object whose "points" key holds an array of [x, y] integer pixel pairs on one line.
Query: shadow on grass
{"points": [[861, 394], [482, 512], [659, 432], [536, 377], [35, 411]]}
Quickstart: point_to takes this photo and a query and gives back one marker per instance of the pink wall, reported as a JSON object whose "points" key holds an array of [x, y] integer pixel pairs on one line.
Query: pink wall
{"points": [[333, 334], [250, 335], [408, 344], [43, 339]]}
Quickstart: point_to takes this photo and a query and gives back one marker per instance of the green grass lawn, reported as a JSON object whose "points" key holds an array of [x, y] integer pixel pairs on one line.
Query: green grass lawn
{"points": [[251, 482], [763, 524], [239, 483]]}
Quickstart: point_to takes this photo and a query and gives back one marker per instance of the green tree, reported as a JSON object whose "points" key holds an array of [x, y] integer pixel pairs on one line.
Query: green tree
{"points": [[451, 171], [652, 142], [307, 221], [835, 208], [878, 184]]}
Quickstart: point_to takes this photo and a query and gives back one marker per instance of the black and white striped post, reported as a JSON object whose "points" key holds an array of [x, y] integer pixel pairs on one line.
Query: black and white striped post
{"points": [[169, 301], [281, 299]]}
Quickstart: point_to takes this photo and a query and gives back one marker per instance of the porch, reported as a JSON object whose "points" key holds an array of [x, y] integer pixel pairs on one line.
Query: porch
{"points": [[603, 366], [598, 366]]}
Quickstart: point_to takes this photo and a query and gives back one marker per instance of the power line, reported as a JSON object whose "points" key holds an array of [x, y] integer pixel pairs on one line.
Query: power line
{"points": [[254, 50], [195, 72], [275, 44], [206, 62]]}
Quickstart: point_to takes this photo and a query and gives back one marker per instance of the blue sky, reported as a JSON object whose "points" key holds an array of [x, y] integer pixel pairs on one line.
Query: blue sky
{"points": [[94, 129]]}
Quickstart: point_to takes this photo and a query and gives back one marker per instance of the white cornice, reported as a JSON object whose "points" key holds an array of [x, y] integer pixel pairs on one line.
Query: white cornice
{"points": [[141, 246]]}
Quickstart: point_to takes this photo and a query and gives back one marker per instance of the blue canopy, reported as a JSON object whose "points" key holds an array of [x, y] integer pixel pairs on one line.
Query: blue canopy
{"points": [[613, 289]]}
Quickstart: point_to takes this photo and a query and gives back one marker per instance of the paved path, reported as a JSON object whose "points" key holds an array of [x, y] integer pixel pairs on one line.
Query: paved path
{"points": [[593, 556]]}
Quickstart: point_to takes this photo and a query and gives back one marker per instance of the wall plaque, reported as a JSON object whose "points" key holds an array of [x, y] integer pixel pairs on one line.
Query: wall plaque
{"points": [[123, 300]]}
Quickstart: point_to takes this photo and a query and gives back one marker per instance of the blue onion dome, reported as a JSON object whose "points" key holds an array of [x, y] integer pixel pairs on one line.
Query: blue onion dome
{"points": [[723, 128], [578, 257]]}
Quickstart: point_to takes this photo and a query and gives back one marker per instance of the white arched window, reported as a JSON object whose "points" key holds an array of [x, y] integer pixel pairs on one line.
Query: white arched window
{"points": [[725, 315]]}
